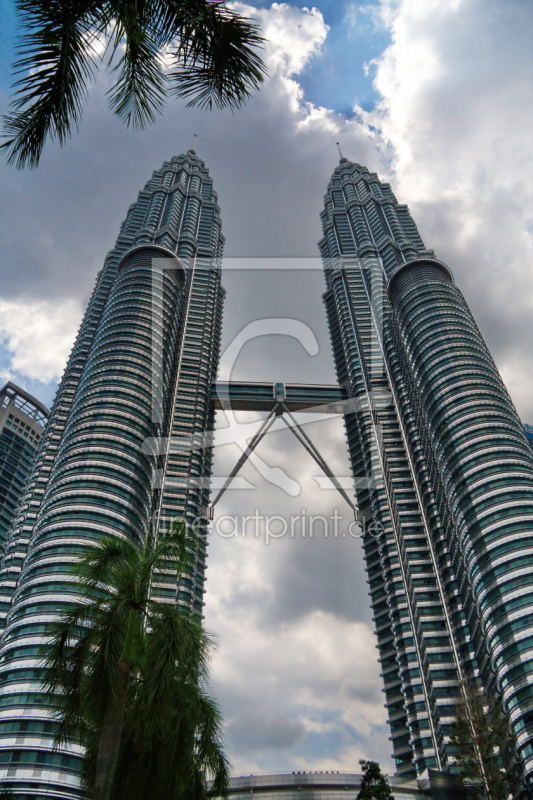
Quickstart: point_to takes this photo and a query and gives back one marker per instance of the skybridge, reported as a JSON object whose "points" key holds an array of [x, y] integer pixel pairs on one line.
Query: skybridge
{"points": [[310, 397]]}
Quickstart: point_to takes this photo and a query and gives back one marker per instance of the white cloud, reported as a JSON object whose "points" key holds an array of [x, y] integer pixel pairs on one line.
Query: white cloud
{"points": [[347, 759], [294, 36], [38, 336], [315, 675]]}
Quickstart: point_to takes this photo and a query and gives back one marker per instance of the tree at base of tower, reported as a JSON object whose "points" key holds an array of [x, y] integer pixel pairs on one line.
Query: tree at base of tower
{"points": [[374, 785]]}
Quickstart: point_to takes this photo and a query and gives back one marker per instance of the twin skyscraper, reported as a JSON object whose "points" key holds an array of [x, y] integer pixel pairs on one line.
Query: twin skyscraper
{"points": [[443, 471]]}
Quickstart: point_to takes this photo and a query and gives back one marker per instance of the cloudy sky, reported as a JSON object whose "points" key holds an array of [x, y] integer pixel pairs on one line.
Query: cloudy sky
{"points": [[436, 96]]}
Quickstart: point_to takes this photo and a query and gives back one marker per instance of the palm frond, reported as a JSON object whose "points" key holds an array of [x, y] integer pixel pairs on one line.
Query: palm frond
{"points": [[67, 632], [166, 760], [186, 750], [139, 92], [111, 568], [64, 668], [209, 743], [99, 563], [216, 62], [56, 57], [175, 550], [107, 641], [177, 652]]}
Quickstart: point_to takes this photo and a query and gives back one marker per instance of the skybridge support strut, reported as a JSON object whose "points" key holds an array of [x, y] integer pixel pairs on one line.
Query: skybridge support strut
{"points": [[278, 411], [245, 456], [304, 439]]}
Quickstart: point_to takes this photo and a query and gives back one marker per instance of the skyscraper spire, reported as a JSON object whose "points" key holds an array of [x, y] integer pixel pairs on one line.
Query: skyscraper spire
{"points": [[342, 158]]}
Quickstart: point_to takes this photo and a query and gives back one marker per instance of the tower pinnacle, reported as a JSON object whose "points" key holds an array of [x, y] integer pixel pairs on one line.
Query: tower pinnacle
{"points": [[342, 158]]}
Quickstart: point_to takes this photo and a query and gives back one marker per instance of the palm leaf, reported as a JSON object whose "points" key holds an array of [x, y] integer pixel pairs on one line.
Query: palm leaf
{"points": [[209, 743], [216, 64], [140, 89], [177, 649], [64, 669], [56, 56], [102, 562]]}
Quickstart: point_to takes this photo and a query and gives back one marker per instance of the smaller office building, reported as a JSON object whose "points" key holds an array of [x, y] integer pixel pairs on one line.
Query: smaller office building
{"points": [[22, 419]]}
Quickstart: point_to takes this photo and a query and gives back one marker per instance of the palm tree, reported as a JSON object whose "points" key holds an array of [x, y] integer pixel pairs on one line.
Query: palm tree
{"points": [[128, 675], [208, 49]]}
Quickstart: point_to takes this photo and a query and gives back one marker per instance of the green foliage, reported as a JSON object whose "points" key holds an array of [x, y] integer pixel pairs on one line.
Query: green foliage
{"points": [[483, 745], [374, 785], [208, 47], [129, 677]]}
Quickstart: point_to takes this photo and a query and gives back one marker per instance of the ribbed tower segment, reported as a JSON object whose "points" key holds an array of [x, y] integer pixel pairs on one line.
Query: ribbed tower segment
{"points": [[485, 472], [443, 474], [136, 376]]}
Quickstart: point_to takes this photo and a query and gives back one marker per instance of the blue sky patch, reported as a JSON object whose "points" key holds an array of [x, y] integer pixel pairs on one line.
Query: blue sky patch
{"points": [[336, 78]]}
